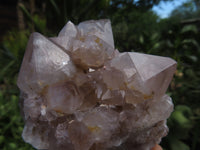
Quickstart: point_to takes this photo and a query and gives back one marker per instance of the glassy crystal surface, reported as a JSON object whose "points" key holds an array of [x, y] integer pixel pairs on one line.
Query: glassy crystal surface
{"points": [[79, 93]]}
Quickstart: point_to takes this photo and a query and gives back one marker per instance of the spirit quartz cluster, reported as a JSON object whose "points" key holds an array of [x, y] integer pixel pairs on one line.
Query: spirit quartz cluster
{"points": [[79, 93]]}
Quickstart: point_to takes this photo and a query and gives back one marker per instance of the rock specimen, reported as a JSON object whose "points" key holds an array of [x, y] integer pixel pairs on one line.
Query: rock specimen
{"points": [[79, 93]]}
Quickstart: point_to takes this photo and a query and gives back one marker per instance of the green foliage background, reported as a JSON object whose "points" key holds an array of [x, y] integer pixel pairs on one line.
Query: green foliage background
{"points": [[136, 28]]}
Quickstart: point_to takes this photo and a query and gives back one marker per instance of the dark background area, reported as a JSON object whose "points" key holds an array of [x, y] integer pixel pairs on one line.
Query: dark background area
{"points": [[135, 27], [8, 16]]}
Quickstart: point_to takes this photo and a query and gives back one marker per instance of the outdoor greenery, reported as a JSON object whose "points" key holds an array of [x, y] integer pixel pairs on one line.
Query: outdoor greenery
{"points": [[136, 28]]}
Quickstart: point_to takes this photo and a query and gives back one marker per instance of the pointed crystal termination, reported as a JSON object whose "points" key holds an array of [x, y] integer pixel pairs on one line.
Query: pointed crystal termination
{"points": [[102, 29], [155, 76], [43, 58], [79, 93], [148, 74], [66, 36]]}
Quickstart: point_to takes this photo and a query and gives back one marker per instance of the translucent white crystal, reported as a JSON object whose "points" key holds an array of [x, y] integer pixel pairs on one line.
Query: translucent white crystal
{"points": [[79, 93], [66, 36], [59, 138], [100, 28], [113, 97], [89, 52], [63, 97], [69, 30], [36, 135], [80, 136], [41, 60], [147, 74], [91, 42], [143, 115], [156, 72], [102, 122], [32, 107], [114, 79], [123, 63]]}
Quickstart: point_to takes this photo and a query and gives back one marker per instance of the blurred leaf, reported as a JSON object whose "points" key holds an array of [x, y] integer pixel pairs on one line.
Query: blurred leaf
{"points": [[25, 11], [141, 39], [2, 138], [193, 58], [189, 28], [178, 145], [191, 41], [39, 23], [57, 10], [5, 69]]}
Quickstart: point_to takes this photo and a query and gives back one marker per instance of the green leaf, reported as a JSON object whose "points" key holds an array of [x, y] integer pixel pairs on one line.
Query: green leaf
{"points": [[189, 28], [193, 58], [57, 10], [176, 144], [25, 11], [2, 138], [39, 23], [141, 39], [5, 69]]}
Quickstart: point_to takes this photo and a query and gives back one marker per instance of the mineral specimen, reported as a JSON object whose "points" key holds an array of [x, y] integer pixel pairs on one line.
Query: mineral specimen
{"points": [[79, 93]]}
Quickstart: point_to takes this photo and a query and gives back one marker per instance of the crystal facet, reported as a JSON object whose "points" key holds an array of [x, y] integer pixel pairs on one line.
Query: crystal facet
{"points": [[79, 93]]}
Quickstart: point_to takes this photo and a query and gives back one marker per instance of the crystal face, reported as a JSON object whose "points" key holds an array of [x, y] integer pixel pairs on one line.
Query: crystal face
{"points": [[79, 93]]}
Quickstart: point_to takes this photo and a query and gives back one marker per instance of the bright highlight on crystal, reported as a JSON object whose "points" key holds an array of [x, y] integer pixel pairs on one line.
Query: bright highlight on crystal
{"points": [[79, 93]]}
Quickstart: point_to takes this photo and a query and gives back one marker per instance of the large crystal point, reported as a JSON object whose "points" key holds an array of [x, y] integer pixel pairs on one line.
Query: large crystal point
{"points": [[146, 74], [79, 93], [155, 76], [44, 63], [66, 36]]}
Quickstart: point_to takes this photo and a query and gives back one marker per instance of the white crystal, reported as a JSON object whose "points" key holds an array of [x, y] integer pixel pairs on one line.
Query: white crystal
{"points": [[89, 52], [63, 97], [43, 58], [102, 122], [147, 74], [155, 72], [100, 28], [66, 36], [80, 136], [69, 30], [79, 93], [37, 136]]}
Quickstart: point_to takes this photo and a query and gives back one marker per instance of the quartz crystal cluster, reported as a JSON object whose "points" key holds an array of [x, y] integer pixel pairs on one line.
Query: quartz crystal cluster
{"points": [[79, 93]]}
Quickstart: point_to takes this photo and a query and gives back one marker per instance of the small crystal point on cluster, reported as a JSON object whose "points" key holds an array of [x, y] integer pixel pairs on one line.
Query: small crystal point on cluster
{"points": [[79, 93]]}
